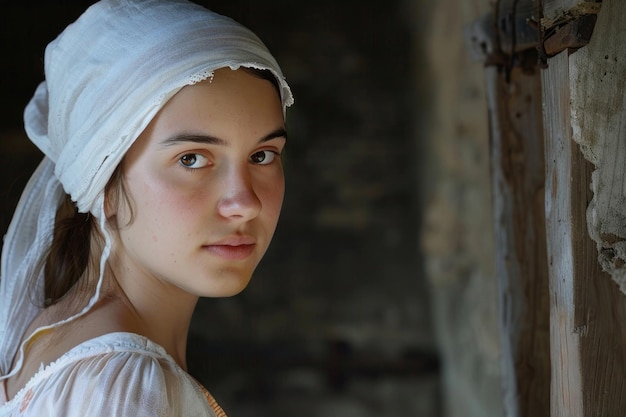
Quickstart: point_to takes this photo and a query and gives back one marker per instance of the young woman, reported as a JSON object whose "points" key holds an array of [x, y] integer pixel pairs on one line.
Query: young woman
{"points": [[162, 126]]}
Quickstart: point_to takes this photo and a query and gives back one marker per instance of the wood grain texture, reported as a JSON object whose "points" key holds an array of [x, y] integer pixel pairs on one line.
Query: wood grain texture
{"points": [[587, 310], [566, 376], [598, 119], [521, 266]]}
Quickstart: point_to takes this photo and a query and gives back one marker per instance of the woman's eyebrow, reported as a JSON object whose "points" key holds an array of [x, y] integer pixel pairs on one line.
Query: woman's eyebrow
{"points": [[278, 133], [212, 140], [189, 137]]}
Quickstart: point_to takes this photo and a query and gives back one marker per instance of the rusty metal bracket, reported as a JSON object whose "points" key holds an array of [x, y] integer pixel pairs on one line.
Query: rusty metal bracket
{"points": [[499, 36], [571, 35]]}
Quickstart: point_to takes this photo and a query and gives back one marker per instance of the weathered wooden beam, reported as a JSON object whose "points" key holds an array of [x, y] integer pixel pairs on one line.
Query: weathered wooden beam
{"points": [[585, 108], [587, 310], [584, 111], [514, 94], [516, 131], [564, 212]]}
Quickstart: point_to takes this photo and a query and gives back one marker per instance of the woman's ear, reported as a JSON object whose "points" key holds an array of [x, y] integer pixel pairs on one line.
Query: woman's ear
{"points": [[110, 206], [112, 194], [118, 206]]}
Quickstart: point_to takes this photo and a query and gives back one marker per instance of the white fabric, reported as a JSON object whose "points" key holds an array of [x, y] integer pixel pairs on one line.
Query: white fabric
{"points": [[118, 374], [107, 75]]}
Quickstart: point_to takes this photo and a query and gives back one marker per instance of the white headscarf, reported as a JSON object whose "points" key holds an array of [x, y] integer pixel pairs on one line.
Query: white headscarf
{"points": [[107, 75]]}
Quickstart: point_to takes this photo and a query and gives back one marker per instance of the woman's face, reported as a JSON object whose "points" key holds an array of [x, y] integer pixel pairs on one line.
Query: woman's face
{"points": [[205, 183]]}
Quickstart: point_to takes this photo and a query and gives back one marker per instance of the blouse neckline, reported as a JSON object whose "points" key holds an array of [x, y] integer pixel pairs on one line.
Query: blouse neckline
{"points": [[108, 342]]}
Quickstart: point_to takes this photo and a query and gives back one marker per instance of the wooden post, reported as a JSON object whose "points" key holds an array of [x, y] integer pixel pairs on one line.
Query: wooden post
{"points": [[564, 211], [518, 194], [507, 44], [587, 309], [582, 48]]}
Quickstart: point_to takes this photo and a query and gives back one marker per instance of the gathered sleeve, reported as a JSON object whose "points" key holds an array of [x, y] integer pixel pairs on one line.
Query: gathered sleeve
{"points": [[115, 384]]}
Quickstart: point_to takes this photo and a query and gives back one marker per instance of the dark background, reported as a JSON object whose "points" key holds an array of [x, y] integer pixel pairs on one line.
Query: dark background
{"points": [[336, 321]]}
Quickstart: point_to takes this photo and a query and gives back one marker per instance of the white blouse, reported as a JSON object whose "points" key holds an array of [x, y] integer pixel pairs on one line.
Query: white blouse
{"points": [[117, 374]]}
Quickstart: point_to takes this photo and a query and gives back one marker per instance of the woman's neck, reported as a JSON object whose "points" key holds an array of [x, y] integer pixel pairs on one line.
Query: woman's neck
{"points": [[159, 311]]}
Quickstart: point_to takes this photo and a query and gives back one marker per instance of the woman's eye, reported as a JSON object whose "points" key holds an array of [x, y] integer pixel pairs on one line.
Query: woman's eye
{"points": [[263, 157], [193, 161]]}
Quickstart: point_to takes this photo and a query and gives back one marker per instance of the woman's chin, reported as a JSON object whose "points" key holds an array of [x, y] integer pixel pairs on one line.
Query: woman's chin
{"points": [[228, 286]]}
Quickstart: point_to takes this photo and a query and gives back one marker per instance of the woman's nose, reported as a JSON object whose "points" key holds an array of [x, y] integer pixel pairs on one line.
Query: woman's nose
{"points": [[238, 200]]}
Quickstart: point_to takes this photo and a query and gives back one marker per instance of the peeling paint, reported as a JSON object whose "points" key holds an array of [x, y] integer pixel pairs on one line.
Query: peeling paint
{"points": [[598, 114]]}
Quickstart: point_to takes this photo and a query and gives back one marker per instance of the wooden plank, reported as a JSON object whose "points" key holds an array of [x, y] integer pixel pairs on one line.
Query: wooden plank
{"points": [[516, 131], [585, 125], [587, 310], [563, 216], [598, 119]]}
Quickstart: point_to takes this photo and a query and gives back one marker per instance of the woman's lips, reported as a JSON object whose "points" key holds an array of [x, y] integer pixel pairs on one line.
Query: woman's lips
{"points": [[233, 248]]}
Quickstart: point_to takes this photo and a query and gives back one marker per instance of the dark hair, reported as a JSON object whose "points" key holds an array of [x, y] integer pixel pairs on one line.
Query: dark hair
{"points": [[265, 75], [75, 236], [69, 251]]}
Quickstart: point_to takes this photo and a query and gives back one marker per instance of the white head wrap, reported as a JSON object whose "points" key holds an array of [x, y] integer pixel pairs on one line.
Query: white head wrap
{"points": [[107, 75]]}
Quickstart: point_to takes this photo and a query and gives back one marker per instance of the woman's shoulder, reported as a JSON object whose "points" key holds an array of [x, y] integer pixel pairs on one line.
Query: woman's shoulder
{"points": [[116, 342], [116, 374]]}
